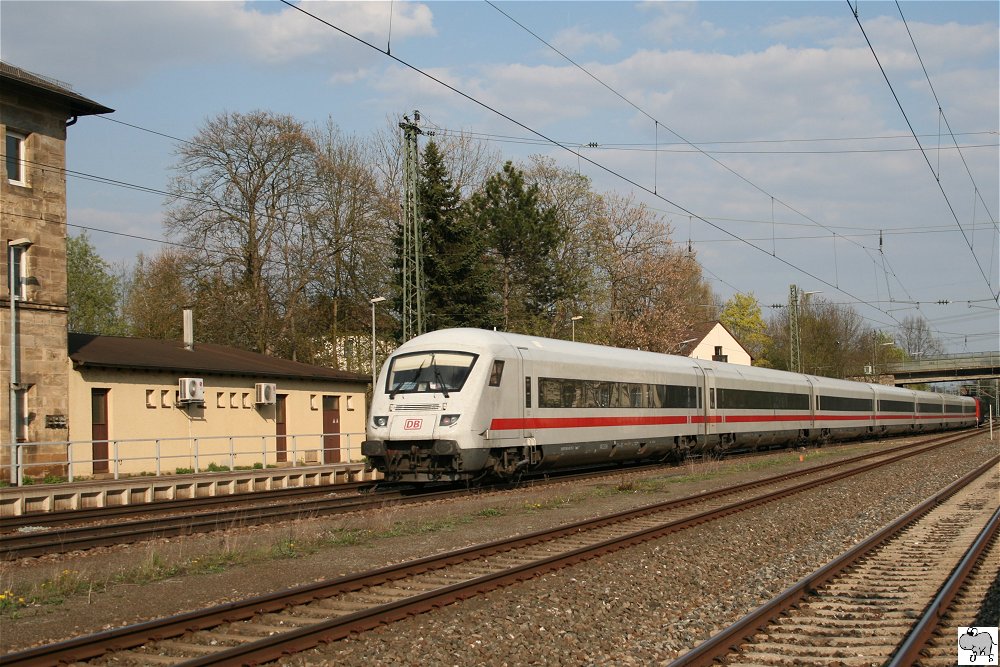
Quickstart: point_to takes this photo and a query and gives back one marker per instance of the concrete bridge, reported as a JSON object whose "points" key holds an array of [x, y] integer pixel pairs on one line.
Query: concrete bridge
{"points": [[945, 368]]}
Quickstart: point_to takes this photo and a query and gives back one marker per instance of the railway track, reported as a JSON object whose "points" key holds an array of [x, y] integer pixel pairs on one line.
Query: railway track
{"points": [[173, 507], [45, 534], [48, 534], [264, 628], [883, 601]]}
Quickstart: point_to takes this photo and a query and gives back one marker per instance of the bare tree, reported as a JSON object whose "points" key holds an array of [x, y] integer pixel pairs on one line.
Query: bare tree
{"points": [[654, 291], [350, 231], [245, 194], [916, 339], [576, 208], [159, 288]]}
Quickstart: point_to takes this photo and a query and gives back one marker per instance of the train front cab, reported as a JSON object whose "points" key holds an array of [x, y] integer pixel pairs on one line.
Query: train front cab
{"points": [[420, 415]]}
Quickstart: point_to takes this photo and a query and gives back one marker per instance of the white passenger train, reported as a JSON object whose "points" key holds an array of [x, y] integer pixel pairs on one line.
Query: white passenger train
{"points": [[463, 403]]}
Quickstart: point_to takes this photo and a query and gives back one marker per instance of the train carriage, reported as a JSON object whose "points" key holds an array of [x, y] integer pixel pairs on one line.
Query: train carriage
{"points": [[462, 403]]}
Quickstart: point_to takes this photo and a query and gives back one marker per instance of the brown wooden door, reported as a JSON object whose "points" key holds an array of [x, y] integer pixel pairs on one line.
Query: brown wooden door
{"points": [[280, 429], [99, 429], [331, 429]]}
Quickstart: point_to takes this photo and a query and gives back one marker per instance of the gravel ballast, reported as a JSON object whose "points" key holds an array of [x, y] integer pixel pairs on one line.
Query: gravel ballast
{"points": [[643, 606]]}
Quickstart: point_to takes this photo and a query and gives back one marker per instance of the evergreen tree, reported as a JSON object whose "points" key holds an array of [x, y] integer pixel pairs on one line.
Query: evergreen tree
{"points": [[522, 236], [458, 291]]}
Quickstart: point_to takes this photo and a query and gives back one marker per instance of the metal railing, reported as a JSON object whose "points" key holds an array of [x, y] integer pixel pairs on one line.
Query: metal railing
{"points": [[178, 455]]}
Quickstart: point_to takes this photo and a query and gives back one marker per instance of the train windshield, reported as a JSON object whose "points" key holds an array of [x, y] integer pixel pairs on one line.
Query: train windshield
{"points": [[429, 372]]}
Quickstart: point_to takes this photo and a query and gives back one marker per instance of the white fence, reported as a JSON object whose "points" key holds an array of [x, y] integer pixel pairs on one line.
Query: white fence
{"points": [[159, 456]]}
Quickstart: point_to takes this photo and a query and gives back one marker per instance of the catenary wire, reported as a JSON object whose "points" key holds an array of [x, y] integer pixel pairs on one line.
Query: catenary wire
{"points": [[580, 156], [937, 179]]}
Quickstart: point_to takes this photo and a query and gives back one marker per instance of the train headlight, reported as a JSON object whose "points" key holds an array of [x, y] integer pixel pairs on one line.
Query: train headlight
{"points": [[448, 420], [380, 421]]}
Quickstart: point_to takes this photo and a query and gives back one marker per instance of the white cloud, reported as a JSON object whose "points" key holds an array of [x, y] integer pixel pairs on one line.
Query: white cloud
{"points": [[102, 46], [574, 41], [670, 19]]}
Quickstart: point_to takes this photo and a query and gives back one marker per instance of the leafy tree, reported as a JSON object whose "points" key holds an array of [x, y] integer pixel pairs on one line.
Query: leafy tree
{"points": [[522, 236], [94, 291], [742, 316], [833, 339]]}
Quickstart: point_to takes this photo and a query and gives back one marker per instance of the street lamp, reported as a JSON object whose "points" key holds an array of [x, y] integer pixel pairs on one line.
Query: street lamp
{"points": [[15, 261], [681, 344], [378, 299], [573, 321]]}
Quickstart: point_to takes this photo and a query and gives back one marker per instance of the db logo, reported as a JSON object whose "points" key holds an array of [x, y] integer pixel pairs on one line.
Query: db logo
{"points": [[412, 424]]}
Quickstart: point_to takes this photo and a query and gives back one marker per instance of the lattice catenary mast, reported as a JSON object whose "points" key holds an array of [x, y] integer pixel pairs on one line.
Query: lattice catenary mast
{"points": [[413, 268]]}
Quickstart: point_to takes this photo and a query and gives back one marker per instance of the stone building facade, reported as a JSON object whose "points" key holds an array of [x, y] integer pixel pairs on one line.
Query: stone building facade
{"points": [[35, 113]]}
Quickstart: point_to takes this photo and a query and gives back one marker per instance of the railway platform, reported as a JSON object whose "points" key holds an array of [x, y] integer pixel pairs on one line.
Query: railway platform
{"points": [[94, 493]]}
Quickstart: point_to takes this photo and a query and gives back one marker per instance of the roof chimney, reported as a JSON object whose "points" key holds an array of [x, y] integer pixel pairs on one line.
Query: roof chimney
{"points": [[188, 329]]}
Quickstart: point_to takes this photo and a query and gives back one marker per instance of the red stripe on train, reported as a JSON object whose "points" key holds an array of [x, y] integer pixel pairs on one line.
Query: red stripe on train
{"points": [[581, 422]]}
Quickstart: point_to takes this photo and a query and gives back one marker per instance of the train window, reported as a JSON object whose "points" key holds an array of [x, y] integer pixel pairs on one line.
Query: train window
{"points": [[929, 407], [748, 399], [712, 399], [496, 373], [429, 372], [895, 406], [844, 404], [527, 392]]}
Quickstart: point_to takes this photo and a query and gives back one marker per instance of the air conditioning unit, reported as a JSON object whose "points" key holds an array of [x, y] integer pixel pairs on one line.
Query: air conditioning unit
{"points": [[191, 390], [265, 393]]}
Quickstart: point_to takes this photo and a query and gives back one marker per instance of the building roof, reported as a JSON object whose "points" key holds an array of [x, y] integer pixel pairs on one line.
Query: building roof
{"points": [[119, 352], [692, 337], [697, 333], [13, 78]]}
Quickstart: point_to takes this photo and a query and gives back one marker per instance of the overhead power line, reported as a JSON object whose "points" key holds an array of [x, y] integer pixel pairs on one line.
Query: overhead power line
{"points": [[937, 178], [578, 154]]}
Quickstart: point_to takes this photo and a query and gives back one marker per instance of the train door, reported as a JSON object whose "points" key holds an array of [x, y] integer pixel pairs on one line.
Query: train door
{"points": [[529, 404], [707, 414], [812, 402], [529, 397]]}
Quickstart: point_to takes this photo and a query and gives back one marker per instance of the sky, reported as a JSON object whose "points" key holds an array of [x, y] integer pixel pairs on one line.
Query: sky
{"points": [[786, 142]]}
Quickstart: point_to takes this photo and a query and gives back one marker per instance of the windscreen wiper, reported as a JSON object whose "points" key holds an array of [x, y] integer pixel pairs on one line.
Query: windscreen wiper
{"points": [[437, 376]]}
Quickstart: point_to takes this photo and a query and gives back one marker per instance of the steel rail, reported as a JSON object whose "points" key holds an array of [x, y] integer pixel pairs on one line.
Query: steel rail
{"points": [[910, 649], [87, 647], [160, 507], [708, 652]]}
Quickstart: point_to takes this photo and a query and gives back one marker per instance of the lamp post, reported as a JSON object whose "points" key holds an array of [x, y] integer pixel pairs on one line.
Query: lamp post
{"points": [[378, 299], [15, 260], [875, 346], [681, 344], [573, 321]]}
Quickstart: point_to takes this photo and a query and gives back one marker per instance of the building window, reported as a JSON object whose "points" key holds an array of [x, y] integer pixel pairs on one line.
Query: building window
{"points": [[18, 272], [220, 399], [14, 158], [350, 402], [150, 398]]}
